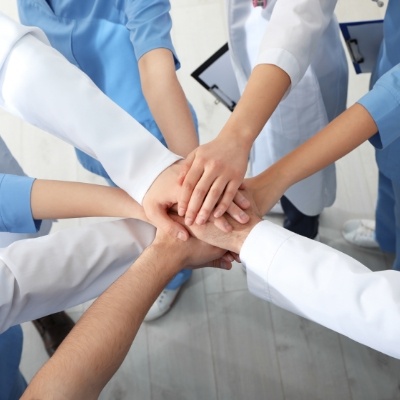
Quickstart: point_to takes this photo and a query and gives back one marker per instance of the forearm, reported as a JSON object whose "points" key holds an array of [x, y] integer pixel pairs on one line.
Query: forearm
{"points": [[89, 356], [342, 135], [266, 87], [57, 199], [167, 101], [325, 286], [32, 77]]}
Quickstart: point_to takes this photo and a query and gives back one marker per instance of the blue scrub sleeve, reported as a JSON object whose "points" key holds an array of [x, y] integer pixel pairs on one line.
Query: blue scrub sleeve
{"points": [[383, 103], [149, 23], [15, 205]]}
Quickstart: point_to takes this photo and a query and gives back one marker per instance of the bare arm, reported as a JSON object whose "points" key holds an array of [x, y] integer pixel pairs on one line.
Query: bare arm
{"points": [[167, 101], [337, 139], [212, 173], [52, 199], [89, 356]]}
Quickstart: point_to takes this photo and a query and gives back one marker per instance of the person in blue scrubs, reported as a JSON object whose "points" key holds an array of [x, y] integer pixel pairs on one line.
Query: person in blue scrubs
{"points": [[12, 382], [26, 205], [125, 47], [386, 143]]}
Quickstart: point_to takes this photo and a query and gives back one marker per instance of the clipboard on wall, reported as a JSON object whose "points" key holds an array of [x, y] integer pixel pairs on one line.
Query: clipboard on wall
{"points": [[363, 40], [217, 76]]}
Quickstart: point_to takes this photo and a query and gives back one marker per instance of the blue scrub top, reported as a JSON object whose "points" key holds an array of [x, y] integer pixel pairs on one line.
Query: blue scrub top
{"points": [[15, 205], [12, 383], [383, 101], [105, 39]]}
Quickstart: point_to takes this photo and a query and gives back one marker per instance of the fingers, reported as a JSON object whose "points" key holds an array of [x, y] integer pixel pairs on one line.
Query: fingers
{"points": [[230, 193], [231, 257], [204, 197], [222, 224], [222, 263], [188, 179], [240, 199], [160, 218], [185, 166], [238, 214]]}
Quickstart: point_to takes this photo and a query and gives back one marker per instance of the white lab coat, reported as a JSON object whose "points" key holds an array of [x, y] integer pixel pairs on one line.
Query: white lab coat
{"points": [[302, 38], [298, 274], [45, 275], [39, 85], [48, 274], [324, 285], [75, 265]]}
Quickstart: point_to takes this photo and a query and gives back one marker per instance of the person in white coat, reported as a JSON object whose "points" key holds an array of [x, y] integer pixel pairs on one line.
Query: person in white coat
{"points": [[292, 71], [317, 98], [283, 268], [32, 76]]}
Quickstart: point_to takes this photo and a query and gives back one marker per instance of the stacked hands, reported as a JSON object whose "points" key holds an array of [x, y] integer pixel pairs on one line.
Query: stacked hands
{"points": [[206, 198]]}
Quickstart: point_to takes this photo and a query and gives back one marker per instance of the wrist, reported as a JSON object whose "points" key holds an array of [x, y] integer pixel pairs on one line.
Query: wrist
{"points": [[242, 137], [167, 257]]}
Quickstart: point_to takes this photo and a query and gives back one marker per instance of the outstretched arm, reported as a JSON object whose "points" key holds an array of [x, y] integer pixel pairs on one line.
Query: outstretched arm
{"points": [[315, 281], [57, 199], [287, 48], [32, 76], [216, 169], [167, 100], [350, 129], [89, 356]]}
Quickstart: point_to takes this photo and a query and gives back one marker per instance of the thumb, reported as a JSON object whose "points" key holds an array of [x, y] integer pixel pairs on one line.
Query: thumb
{"points": [[160, 218], [221, 263]]}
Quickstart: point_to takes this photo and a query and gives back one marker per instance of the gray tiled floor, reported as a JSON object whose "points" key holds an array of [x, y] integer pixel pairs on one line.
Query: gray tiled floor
{"points": [[219, 342]]}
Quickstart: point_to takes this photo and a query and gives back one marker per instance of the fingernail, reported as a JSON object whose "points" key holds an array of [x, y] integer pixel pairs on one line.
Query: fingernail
{"points": [[181, 236], [227, 227], [243, 216], [200, 220], [218, 214], [188, 221]]}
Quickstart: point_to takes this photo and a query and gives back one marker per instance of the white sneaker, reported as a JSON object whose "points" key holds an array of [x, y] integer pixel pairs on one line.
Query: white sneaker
{"points": [[163, 304], [360, 232]]}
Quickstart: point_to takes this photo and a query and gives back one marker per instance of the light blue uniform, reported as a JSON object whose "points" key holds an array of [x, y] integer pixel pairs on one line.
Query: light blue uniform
{"points": [[383, 103], [15, 217], [105, 39], [15, 204]]}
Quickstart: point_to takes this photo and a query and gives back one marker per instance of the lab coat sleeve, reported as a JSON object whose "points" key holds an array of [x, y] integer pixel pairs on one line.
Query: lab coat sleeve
{"points": [[45, 275], [383, 103], [15, 205], [149, 23], [324, 285], [293, 33], [40, 86]]}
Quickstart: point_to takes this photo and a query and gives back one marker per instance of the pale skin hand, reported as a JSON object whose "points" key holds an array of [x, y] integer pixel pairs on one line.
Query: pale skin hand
{"points": [[90, 355], [160, 197], [345, 133], [216, 169], [231, 241]]}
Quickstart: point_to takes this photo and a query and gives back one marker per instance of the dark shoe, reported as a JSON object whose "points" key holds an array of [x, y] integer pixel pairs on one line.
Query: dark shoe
{"points": [[53, 329]]}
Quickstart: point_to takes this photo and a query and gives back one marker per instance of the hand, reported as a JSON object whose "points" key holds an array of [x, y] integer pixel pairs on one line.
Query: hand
{"points": [[265, 190], [193, 253], [231, 241], [214, 173], [161, 196]]}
